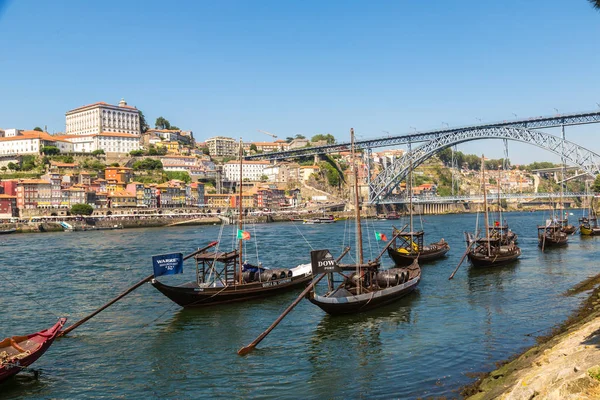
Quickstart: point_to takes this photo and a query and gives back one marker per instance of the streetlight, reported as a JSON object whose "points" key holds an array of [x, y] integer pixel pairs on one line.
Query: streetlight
{"points": [[412, 127], [478, 119], [515, 115], [556, 109], [445, 123], [386, 132]]}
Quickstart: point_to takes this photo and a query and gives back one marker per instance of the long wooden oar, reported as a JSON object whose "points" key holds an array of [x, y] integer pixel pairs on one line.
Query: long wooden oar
{"points": [[245, 350], [126, 292], [463, 258]]}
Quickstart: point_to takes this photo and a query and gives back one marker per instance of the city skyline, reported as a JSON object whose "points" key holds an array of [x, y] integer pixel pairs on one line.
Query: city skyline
{"points": [[232, 68]]}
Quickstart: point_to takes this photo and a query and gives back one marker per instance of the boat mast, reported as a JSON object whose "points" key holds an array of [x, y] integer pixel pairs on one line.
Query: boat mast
{"points": [[562, 176], [357, 213], [485, 207], [500, 226], [410, 195], [240, 224]]}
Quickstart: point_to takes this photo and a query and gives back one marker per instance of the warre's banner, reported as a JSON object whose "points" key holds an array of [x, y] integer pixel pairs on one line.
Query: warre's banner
{"points": [[322, 262], [167, 264]]}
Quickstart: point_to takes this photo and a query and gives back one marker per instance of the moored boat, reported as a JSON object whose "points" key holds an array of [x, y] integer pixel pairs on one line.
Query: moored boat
{"points": [[368, 286], [7, 231], [223, 277], [552, 235], [490, 251], [408, 246], [589, 226], [19, 352]]}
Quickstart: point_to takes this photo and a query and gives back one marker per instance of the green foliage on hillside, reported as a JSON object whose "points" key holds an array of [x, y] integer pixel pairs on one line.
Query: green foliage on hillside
{"points": [[179, 175], [147, 164]]}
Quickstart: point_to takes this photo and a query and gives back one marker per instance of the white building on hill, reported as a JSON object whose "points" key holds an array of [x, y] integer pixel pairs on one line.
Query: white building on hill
{"points": [[17, 142], [102, 117], [251, 170]]}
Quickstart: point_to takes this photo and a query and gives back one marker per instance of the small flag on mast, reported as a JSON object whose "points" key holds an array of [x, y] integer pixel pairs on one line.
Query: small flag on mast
{"points": [[243, 235], [380, 236]]}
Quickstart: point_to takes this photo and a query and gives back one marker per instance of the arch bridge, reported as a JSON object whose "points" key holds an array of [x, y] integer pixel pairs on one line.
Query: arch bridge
{"points": [[383, 184], [521, 130]]}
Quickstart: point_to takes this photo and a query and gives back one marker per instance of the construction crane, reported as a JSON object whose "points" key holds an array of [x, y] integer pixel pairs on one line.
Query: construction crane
{"points": [[268, 133]]}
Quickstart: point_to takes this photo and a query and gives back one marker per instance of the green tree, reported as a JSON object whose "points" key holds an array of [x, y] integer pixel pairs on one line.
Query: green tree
{"points": [[3, 168], [143, 124], [253, 147], [82, 209], [205, 151], [264, 178], [136, 153], [595, 4], [37, 128], [98, 152], [299, 136], [115, 164], [596, 185], [289, 139], [12, 166], [28, 163], [50, 150], [174, 128], [328, 138], [162, 123]]}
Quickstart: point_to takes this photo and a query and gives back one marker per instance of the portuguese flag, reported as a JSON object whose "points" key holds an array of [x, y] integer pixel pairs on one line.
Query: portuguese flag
{"points": [[243, 235], [380, 236]]}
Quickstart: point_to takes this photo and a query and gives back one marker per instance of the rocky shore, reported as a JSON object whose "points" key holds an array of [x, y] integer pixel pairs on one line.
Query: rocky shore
{"points": [[565, 365]]}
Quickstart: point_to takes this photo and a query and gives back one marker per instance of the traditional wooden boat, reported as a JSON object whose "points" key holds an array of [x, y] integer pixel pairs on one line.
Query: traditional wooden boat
{"points": [[19, 352], [320, 220], [490, 251], [552, 235], [368, 286], [223, 277], [589, 226], [7, 231], [408, 246], [218, 281], [566, 227]]}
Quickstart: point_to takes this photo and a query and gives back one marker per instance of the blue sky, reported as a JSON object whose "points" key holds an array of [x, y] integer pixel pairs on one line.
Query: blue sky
{"points": [[232, 67]]}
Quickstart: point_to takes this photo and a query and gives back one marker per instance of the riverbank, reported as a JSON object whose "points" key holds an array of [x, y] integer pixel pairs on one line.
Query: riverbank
{"points": [[565, 365]]}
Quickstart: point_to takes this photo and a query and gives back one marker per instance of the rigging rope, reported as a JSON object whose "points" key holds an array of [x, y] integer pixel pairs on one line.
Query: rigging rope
{"points": [[27, 295], [307, 242]]}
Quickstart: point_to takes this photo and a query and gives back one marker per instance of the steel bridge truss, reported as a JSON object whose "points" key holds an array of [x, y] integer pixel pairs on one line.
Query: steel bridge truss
{"points": [[552, 121], [384, 183]]}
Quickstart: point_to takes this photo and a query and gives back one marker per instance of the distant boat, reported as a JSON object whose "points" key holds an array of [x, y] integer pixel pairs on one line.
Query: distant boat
{"points": [[7, 231], [490, 251], [19, 352], [551, 235], [320, 220]]}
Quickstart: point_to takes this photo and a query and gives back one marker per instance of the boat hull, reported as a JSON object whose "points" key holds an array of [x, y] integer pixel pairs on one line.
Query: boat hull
{"points": [[589, 231], [363, 302], [192, 295], [552, 242], [484, 261], [36, 344], [407, 259]]}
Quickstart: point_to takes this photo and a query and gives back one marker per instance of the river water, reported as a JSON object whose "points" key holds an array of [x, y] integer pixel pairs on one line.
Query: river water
{"points": [[425, 345]]}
